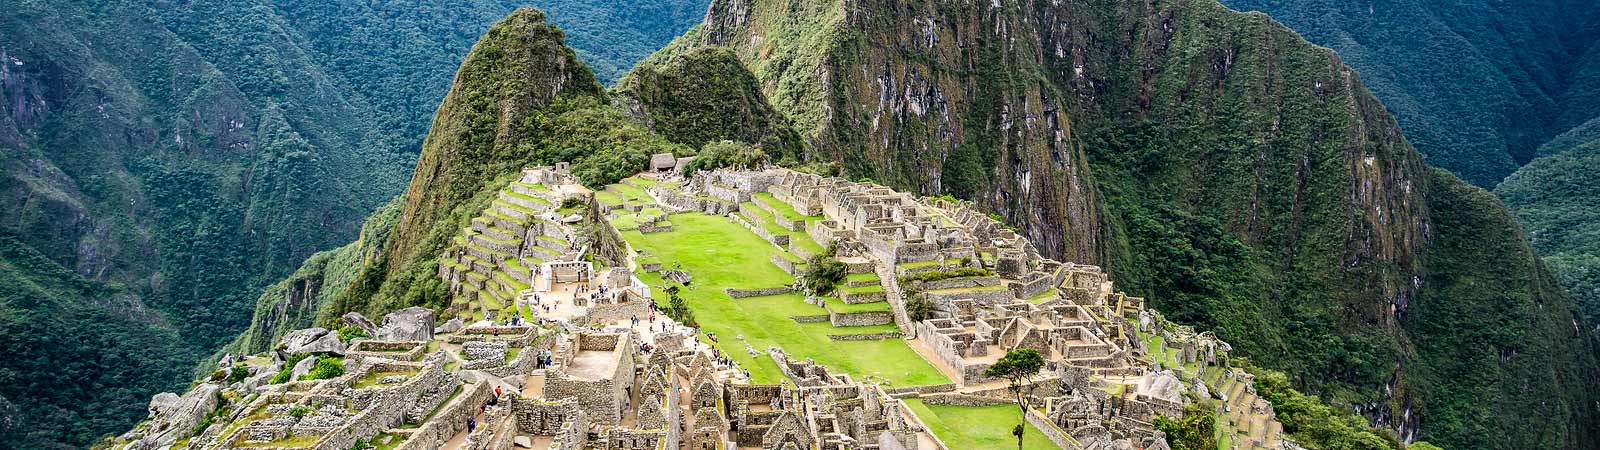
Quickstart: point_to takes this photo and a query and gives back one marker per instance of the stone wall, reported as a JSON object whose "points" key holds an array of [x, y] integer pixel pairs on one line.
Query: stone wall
{"points": [[942, 298], [865, 336], [762, 292], [450, 420], [959, 399], [778, 240], [860, 319], [1057, 435]]}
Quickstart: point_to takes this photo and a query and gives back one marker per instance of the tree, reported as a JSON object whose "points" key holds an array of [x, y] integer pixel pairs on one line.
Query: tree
{"points": [[1194, 431], [1017, 366]]}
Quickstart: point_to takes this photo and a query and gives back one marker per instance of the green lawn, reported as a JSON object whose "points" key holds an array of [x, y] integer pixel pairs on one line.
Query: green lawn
{"points": [[721, 254], [978, 426]]}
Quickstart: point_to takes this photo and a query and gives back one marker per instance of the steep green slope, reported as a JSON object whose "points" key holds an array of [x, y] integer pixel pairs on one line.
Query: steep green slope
{"points": [[706, 96], [1555, 198], [77, 353], [612, 35], [1478, 85], [1241, 177], [521, 98]]}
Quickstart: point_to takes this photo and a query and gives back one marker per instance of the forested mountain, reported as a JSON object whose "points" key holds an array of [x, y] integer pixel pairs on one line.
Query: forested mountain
{"points": [[1480, 85], [162, 162], [1483, 88]]}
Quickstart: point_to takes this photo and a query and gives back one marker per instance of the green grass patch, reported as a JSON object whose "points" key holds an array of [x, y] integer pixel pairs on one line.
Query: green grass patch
{"points": [[371, 379], [862, 289], [721, 254], [782, 207], [608, 198], [837, 305], [978, 426], [869, 276]]}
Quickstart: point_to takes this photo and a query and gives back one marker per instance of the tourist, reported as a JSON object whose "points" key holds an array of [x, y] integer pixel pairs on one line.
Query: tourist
{"points": [[471, 425]]}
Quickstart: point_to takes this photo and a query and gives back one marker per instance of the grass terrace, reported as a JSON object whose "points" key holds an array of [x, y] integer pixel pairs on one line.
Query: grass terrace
{"points": [[978, 426], [371, 379], [837, 305], [718, 254], [782, 207]]}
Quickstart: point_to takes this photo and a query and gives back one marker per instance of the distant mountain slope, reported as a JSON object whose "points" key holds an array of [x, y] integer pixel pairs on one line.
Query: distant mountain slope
{"points": [[1478, 85]]}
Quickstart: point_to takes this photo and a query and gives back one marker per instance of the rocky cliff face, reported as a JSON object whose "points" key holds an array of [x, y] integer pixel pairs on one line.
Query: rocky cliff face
{"points": [[1236, 174]]}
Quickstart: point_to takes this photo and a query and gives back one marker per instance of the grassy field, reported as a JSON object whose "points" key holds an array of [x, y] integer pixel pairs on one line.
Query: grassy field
{"points": [[720, 254], [978, 426]]}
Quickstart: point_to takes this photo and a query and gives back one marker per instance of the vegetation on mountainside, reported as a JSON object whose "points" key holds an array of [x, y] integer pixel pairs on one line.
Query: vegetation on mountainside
{"points": [[705, 96], [1195, 430], [724, 154], [1477, 85], [612, 35], [1314, 424], [1494, 313], [1555, 199], [77, 353], [521, 98]]}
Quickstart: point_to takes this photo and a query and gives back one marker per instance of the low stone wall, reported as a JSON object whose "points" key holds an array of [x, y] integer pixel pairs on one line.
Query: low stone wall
{"points": [[1057, 435], [959, 399], [609, 312], [790, 267], [958, 283], [449, 420], [396, 350], [857, 298], [987, 297], [865, 336], [658, 227], [778, 240], [811, 319], [860, 319], [762, 292]]}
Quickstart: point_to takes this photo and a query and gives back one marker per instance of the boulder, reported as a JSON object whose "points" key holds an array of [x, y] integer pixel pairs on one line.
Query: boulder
{"points": [[410, 324], [451, 326], [522, 441], [355, 319], [180, 418], [163, 404], [303, 367], [311, 340]]}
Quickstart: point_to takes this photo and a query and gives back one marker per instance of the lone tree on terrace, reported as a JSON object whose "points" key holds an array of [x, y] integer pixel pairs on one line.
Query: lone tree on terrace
{"points": [[1017, 366]]}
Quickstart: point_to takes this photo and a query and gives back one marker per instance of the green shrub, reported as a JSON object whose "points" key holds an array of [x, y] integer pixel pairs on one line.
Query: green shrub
{"points": [[936, 275], [823, 273], [288, 369], [327, 367], [1194, 431], [237, 374], [1314, 424], [348, 333], [919, 308], [717, 155], [299, 412]]}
